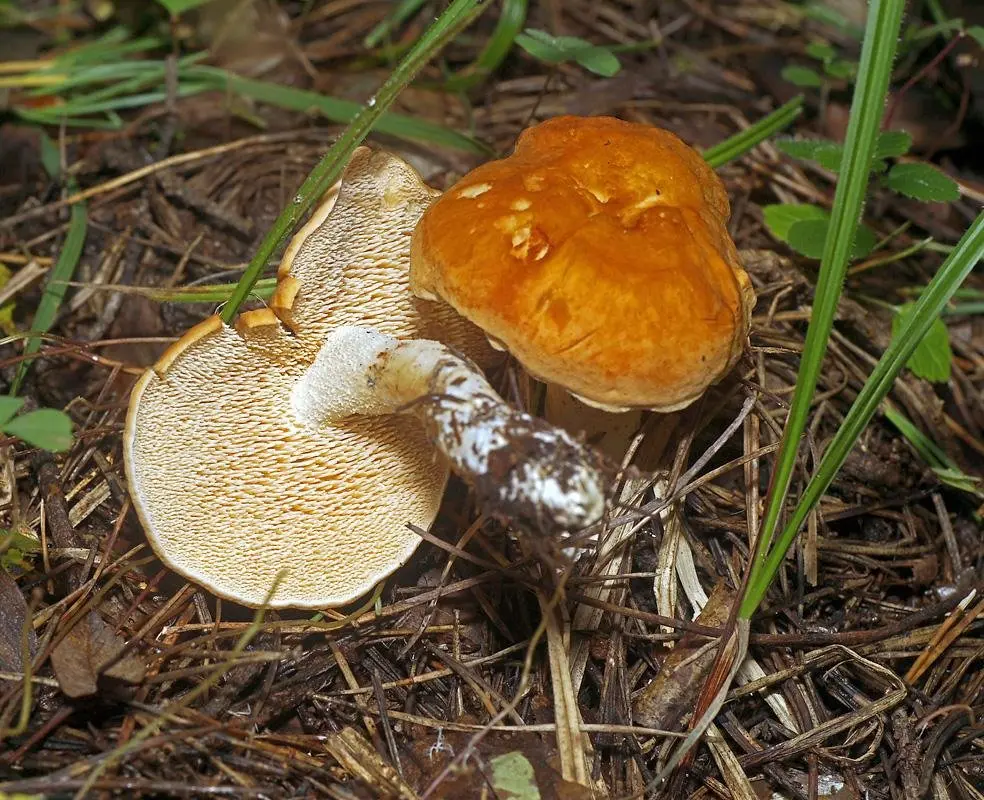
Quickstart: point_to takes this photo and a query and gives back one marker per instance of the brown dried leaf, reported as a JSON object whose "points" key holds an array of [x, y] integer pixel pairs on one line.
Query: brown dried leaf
{"points": [[91, 649], [13, 619], [666, 702]]}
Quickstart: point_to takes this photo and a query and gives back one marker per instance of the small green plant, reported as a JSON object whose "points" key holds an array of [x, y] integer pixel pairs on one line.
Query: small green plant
{"points": [[831, 66], [804, 226], [916, 180], [45, 428], [17, 545], [932, 358], [566, 49], [177, 7]]}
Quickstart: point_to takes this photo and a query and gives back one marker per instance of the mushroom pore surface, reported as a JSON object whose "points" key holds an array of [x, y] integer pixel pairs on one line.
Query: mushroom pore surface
{"points": [[230, 488]]}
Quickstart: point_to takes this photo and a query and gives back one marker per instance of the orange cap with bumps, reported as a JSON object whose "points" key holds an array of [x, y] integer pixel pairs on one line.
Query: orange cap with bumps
{"points": [[598, 255]]}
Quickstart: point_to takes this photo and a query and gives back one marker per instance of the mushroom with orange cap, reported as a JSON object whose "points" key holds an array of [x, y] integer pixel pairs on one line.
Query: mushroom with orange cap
{"points": [[238, 469], [598, 255]]}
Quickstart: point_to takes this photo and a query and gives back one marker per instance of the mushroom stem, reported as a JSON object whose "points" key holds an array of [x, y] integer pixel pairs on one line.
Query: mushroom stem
{"points": [[520, 466]]}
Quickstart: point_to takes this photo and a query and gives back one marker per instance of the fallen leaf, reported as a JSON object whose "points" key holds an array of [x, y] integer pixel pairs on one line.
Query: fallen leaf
{"points": [[91, 649], [513, 777], [666, 702], [13, 620]]}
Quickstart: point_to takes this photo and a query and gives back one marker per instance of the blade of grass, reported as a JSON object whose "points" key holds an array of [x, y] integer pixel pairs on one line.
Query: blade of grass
{"points": [[204, 293], [73, 111], [342, 111], [964, 309], [112, 122], [969, 251], [62, 271], [454, 19], [867, 107], [735, 146], [112, 75], [403, 11], [211, 293], [930, 452], [511, 21]]}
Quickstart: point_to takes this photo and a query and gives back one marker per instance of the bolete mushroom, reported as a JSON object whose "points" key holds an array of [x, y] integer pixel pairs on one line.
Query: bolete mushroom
{"points": [[597, 254], [237, 467]]}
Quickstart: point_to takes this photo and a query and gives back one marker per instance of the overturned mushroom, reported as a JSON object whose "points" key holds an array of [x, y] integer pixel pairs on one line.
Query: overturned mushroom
{"points": [[598, 255], [232, 486]]}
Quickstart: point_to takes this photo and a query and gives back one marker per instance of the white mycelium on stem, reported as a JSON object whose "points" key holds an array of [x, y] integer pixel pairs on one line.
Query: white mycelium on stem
{"points": [[519, 465]]}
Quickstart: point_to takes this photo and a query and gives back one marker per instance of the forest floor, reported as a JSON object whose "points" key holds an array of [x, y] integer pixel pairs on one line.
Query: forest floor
{"points": [[119, 678]]}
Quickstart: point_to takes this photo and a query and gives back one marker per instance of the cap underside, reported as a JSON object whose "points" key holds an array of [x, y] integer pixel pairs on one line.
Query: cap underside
{"points": [[228, 487], [231, 490]]}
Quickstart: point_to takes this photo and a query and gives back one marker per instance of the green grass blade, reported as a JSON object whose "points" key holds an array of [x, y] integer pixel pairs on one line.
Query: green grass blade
{"points": [[874, 72], [62, 272], [455, 18], [964, 309], [511, 22], [342, 111], [928, 450], [404, 10], [113, 78], [969, 251], [209, 293], [735, 146], [48, 117]]}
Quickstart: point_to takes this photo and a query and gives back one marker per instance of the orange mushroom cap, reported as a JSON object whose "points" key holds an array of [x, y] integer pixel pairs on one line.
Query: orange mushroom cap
{"points": [[598, 255]]}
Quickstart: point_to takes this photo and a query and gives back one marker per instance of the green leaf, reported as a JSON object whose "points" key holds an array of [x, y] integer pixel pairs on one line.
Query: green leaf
{"points": [[403, 11], [829, 155], [821, 51], [807, 237], [958, 479], [15, 544], [946, 470], [976, 32], [823, 12], [892, 144], [9, 406], [177, 7], [561, 49], [599, 61], [826, 153], [546, 50], [932, 358], [922, 182], [841, 69], [513, 777], [339, 110], [45, 428], [62, 273], [779, 218], [803, 77], [512, 17]]}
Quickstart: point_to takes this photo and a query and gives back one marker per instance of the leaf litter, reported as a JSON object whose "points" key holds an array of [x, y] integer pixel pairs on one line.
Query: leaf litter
{"points": [[867, 677]]}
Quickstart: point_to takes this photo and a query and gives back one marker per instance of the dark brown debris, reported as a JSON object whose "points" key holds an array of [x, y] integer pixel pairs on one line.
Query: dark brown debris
{"points": [[868, 678]]}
